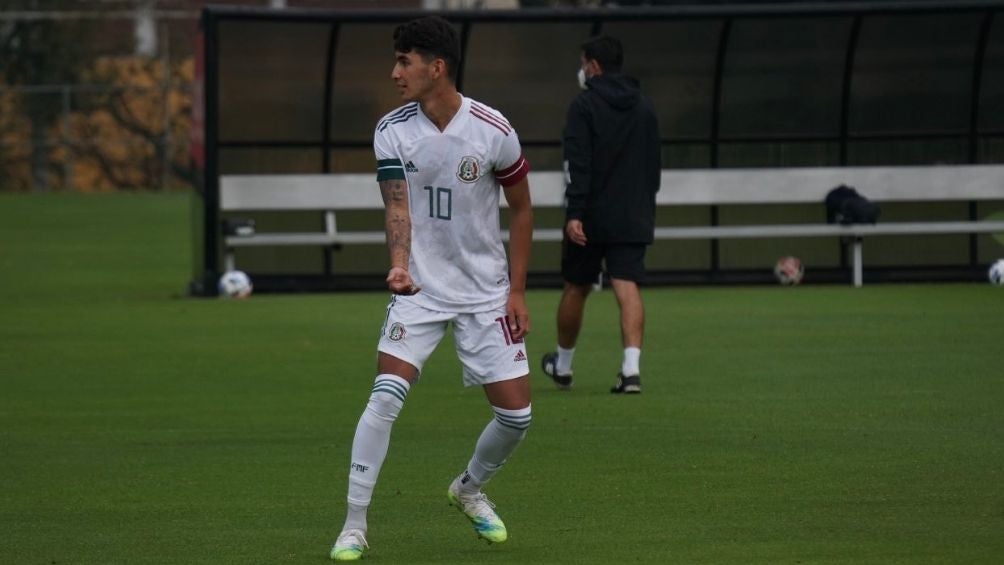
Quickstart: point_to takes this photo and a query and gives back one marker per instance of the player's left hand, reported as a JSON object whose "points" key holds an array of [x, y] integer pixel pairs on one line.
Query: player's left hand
{"points": [[517, 315]]}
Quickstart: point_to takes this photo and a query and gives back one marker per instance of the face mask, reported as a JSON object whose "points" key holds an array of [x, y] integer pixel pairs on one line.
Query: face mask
{"points": [[582, 78]]}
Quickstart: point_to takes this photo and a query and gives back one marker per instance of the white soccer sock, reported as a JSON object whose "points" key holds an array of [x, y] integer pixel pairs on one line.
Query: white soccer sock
{"points": [[563, 366], [632, 359], [497, 442], [369, 447]]}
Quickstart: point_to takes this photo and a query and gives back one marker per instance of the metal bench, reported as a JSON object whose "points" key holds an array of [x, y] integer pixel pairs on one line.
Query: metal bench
{"points": [[329, 194]]}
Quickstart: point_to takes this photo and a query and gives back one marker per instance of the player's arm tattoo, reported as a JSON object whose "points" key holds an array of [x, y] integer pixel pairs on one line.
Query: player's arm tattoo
{"points": [[397, 220]]}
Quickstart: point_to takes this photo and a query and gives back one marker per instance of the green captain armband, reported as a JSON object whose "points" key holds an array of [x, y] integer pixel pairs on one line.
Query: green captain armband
{"points": [[389, 169]]}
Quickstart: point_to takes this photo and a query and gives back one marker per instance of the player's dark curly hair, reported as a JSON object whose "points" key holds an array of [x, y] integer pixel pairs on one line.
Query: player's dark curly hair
{"points": [[606, 51], [431, 37]]}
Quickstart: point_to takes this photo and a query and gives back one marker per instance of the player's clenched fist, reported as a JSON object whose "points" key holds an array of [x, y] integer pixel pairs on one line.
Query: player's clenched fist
{"points": [[399, 282]]}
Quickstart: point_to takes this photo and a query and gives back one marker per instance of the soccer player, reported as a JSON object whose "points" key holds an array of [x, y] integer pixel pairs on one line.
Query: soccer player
{"points": [[440, 161], [612, 165]]}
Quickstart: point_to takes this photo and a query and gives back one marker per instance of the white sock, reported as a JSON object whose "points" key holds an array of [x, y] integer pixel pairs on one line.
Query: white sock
{"points": [[369, 447], [632, 358], [564, 364], [497, 442]]}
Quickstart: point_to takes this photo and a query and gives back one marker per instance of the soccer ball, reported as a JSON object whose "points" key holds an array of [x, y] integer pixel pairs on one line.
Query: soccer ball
{"points": [[235, 284], [788, 270], [996, 273]]}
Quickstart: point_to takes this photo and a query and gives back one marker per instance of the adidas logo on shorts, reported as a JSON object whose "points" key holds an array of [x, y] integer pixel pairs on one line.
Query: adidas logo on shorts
{"points": [[520, 356]]}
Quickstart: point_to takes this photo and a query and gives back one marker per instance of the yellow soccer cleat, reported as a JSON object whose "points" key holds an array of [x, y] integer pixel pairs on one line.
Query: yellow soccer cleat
{"points": [[480, 511], [349, 546]]}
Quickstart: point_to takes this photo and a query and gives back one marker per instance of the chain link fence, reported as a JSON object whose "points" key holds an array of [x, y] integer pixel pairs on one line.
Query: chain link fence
{"points": [[96, 96], [95, 137]]}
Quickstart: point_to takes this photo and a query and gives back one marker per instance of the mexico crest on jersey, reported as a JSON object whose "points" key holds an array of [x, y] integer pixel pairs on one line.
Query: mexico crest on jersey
{"points": [[469, 169]]}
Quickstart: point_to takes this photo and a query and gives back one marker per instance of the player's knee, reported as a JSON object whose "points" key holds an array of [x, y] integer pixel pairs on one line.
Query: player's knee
{"points": [[384, 406], [387, 398]]}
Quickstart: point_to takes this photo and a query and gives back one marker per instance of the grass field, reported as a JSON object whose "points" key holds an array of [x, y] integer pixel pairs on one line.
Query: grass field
{"points": [[820, 424]]}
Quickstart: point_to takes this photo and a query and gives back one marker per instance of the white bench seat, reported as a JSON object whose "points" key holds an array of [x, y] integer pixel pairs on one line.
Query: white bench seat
{"points": [[332, 193]]}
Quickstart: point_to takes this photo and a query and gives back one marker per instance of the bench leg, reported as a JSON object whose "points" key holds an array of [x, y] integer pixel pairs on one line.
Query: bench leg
{"points": [[858, 267], [228, 260]]}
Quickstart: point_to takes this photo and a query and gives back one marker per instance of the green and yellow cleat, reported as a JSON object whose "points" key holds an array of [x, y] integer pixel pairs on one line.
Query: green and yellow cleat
{"points": [[349, 546], [480, 511]]}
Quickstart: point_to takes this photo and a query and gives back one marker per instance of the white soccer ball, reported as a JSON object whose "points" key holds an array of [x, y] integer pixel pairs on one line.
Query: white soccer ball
{"points": [[788, 270], [996, 273], [235, 284]]}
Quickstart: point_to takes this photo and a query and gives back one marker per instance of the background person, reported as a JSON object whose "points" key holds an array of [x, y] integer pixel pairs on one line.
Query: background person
{"points": [[612, 166]]}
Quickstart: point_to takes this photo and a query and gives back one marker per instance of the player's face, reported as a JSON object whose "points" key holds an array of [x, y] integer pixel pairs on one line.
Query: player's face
{"points": [[412, 75]]}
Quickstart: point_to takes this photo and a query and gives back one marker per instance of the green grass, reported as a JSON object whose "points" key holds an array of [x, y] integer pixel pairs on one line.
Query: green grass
{"points": [[818, 424]]}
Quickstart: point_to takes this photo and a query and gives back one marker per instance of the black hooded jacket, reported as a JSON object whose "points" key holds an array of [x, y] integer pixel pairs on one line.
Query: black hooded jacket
{"points": [[612, 161]]}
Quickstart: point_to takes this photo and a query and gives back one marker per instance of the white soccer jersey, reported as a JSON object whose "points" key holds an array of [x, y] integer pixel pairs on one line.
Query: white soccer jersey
{"points": [[453, 176]]}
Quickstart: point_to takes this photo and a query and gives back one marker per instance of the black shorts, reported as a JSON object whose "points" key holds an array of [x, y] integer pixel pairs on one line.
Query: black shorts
{"points": [[582, 265]]}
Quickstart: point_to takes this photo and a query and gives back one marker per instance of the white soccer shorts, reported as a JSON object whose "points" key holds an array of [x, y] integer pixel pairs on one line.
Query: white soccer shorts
{"points": [[485, 348]]}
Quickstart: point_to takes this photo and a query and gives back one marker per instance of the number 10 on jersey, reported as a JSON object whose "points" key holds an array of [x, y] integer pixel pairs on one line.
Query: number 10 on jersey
{"points": [[440, 202]]}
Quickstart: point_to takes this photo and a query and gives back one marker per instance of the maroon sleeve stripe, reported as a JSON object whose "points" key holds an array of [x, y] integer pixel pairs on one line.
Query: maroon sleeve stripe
{"points": [[497, 122], [494, 119], [491, 123], [492, 113], [489, 113], [513, 173]]}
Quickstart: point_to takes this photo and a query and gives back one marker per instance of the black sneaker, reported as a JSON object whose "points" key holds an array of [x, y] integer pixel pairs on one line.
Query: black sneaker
{"points": [[549, 364], [627, 385]]}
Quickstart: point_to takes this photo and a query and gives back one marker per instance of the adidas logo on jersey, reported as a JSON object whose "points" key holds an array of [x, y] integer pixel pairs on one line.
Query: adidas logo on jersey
{"points": [[410, 167], [520, 356]]}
